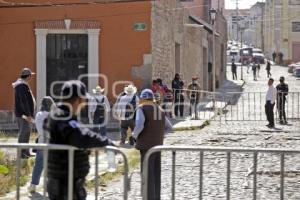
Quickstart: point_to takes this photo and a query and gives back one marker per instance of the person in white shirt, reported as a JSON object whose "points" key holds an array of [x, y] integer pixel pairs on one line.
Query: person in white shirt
{"points": [[125, 109], [270, 103], [40, 117]]}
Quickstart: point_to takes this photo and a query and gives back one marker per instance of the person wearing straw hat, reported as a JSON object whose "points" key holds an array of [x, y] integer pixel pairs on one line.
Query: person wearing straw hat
{"points": [[125, 110], [100, 109], [24, 108]]}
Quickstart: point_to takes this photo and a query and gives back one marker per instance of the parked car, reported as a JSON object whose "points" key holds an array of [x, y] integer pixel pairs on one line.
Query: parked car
{"points": [[293, 66], [258, 57], [234, 55], [297, 72]]}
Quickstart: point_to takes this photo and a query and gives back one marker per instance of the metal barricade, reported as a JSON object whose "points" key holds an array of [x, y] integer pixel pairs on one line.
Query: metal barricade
{"points": [[71, 150], [228, 152]]}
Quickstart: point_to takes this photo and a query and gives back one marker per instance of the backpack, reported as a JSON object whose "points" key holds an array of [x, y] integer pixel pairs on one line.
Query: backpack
{"points": [[130, 109], [99, 114]]}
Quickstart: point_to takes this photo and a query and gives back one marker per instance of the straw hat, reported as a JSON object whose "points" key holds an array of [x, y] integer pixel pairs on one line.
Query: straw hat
{"points": [[98, 90], [130, 89]]}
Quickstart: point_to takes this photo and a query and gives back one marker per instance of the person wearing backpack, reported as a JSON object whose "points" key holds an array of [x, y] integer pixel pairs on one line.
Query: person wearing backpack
{"points": [[100, 109], [125, 110]]}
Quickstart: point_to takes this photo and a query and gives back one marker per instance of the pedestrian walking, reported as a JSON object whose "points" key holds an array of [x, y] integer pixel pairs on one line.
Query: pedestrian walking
{"points": [[280, 55], [24, 108], [233, 71], [125, 110], [149, 132], [193, 94], [270, 102], [268, 68], [254, 68], [282, 92], [41, 115], [274, 56], [177, 86], [257, 68], [100, 109], [65, 129]]}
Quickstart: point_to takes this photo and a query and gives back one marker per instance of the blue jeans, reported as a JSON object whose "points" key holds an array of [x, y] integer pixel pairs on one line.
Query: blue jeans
{"points": [[101, 130], [38, 168]]}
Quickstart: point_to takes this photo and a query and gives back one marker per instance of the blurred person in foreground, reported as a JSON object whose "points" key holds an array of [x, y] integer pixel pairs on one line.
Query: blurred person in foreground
{"points": [[65, 129], [149, 132]]}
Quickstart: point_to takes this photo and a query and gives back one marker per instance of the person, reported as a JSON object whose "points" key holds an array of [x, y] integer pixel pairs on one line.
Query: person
{"points": [[158, 91], [270, 102], [125, 110], [168, 103], [254, 68], [268, 68], [64, 128], [177, 86], [274, 56], [24, 108], [46, 104], [282, 91], [233, 70], [257, 67], [193, 94], [280, 55], [100, 109], [149, 132]]}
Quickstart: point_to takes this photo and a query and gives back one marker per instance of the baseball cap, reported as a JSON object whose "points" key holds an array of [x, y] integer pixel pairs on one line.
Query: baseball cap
{"points": [[147, 94], [72, 89], [26, 71]]}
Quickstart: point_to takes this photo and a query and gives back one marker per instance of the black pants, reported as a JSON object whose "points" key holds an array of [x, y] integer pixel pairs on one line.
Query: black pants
{"points": [[234, 76], [58, 189], [269, 107], [154, 174], [269, 73], [178, 104], [281, 109], [24, 134]]}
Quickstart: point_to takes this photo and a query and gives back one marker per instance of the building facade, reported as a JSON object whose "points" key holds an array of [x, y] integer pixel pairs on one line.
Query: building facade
{"points": [[282, 29]]}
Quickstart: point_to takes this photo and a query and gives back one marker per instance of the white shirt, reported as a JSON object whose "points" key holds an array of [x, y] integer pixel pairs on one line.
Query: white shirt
{"points": [[271, 94], [39, 122], [121, 106]]}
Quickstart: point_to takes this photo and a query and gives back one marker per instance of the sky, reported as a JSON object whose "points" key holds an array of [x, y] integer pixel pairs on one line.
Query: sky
{"points": [[243, 4]]}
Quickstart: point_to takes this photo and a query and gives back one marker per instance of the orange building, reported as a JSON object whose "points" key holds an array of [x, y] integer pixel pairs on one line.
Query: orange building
{"points": [[61, 42]]}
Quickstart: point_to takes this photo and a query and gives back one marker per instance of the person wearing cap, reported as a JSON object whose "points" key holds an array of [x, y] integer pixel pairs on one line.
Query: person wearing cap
{"points": [[65, 129], [125, 111], [150, 126], [193, 94], [24, 108], [282, 92]]}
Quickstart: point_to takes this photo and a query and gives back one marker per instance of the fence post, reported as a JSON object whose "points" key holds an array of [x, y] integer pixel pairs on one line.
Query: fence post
{"points": [[70, 175]]}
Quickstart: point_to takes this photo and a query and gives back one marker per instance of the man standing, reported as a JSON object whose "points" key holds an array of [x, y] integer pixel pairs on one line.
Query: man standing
{"points": [[282, 92], [194, 96], [274, 56], [149, 132], [177, 86], [268, 68], [64, 128], [24, 108], [125, 109], [233, 71], [270, 102], [254, 69]]}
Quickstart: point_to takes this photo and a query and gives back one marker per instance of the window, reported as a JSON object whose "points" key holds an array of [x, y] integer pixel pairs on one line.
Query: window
{"points": [[295, 26]]}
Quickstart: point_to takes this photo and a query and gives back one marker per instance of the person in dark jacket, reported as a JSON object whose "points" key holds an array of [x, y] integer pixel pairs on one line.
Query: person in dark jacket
{"points": [[233, 71], [149, 132], [24, 108], [64, 128], [268, 68], [282, 92], [177, 86]]}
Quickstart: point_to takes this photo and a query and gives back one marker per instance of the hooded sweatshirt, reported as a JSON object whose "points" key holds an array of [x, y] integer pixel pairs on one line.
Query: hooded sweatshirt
{"points": [[24, 100]]}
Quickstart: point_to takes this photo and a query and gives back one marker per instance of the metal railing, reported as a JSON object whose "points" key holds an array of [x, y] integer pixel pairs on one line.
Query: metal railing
{"points": [[71, 149], [236, 106], [228, 152]]}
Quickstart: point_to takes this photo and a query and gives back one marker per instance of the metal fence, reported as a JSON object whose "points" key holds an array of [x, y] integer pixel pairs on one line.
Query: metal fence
{"points": [[236, 106], [228, 152], [46, 147]]}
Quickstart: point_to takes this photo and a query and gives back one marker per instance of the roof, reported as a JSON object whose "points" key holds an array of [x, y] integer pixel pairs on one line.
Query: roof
{"points": [[207, 26]]}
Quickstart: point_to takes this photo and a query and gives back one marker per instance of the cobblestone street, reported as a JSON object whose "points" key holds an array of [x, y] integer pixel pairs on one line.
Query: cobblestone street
{"points": [[230, 134]]}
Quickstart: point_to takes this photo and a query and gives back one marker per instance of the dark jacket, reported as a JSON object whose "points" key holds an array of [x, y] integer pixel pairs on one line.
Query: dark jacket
{"points": [[177, 84], [66, 130], [24, 100], [282, 91], [154, 126]]}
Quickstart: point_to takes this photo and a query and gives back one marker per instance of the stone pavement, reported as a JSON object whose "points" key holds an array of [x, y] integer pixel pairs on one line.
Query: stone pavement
{"points": [[252, 134]]}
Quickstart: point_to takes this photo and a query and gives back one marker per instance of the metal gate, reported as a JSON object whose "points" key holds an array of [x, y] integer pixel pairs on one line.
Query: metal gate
{"points": [[229, 154]]}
